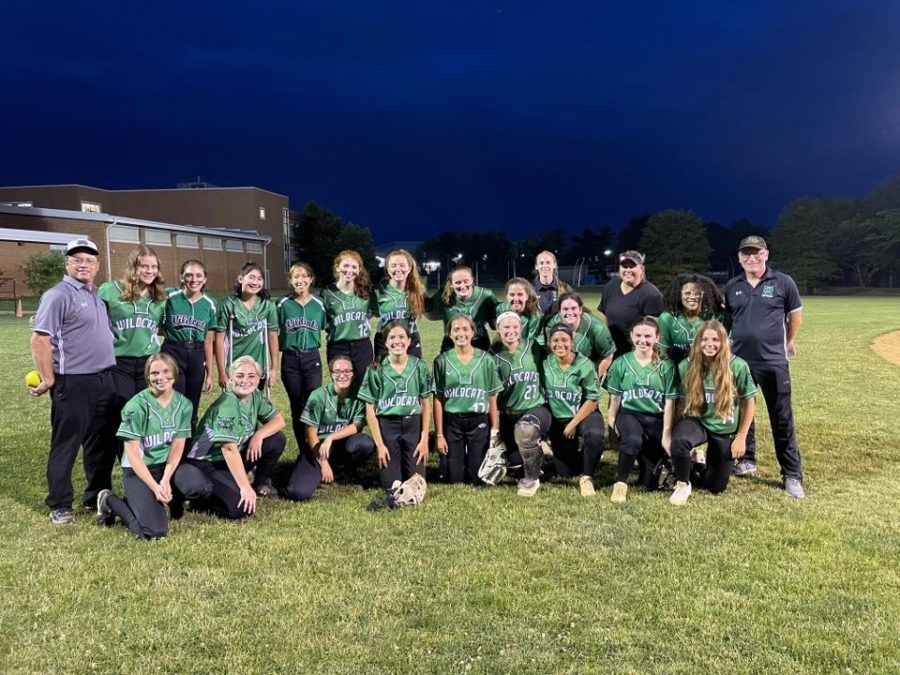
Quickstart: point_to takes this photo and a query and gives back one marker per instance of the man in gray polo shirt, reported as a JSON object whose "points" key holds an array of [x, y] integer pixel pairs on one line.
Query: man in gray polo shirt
{"points": [[766, 313], [72, 348]]}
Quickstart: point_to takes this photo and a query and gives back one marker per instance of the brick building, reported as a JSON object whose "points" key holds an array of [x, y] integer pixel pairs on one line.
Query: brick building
{"points": [[223, 251], [246, 209]]}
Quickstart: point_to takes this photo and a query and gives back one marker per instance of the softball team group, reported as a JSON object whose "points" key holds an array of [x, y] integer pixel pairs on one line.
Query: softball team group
{"points": [[526, 403]]}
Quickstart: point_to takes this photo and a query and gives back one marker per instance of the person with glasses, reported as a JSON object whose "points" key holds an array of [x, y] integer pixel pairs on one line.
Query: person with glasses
{"points": [[333, 419], [766, 313], [72, 349], [628, 298], [689, 300]]}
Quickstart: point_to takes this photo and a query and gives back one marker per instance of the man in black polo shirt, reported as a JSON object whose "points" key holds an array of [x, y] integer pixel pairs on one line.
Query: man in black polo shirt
{"points": [[72, 348], [766, 313], [627, 298]]}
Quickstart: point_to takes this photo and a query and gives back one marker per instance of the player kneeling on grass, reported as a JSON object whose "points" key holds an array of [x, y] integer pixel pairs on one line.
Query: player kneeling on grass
{"points": [[718, 395], [524, 415], [155, 424], [642, 395], [396, 393], [465, 403], [238, 433], [572, 390], [333, 419]]}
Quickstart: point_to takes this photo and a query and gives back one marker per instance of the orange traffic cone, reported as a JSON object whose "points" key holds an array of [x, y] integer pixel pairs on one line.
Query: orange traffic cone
{"points": [[19, 308]]}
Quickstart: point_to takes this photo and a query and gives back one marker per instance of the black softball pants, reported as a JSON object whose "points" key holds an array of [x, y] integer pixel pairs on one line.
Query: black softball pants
{"points": [[640, 438], [301, 373], [568, 458], [401, 435], [467, 436], [142, 514], [687, 435], [214, 479], [522, 433], [350, 452], [191, 362]]}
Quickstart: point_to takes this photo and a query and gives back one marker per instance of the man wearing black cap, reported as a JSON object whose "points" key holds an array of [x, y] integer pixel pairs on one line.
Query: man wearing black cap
{"points": [[72, 348], [628, 298], [766, 313]]}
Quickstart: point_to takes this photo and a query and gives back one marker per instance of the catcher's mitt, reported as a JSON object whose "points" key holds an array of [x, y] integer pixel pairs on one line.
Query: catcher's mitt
{"points": [[493, 468], [411, 492]]}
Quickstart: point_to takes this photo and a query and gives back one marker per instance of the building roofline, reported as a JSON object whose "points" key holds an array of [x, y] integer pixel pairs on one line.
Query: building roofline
{"points": [[108, 219], [38, 236], [99, 189]]}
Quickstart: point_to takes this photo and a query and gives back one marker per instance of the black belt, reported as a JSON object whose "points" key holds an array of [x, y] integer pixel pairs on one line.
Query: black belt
{"points": [[187, 345]]}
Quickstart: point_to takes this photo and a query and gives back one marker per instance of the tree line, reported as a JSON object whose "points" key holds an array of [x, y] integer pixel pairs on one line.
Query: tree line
{"points": [[819, 241]]}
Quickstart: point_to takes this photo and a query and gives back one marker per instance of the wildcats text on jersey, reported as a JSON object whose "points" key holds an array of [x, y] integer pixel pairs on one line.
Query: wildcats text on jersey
{"points": [[521, 376], [136, 322], [301, 323], [185, 321], [643, 393], [465, 392], [344, 317], [397, 402]]}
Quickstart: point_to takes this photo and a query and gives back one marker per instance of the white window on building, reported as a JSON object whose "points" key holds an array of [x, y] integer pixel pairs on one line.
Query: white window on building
{"points": [[123, 233], [212, 243], [157, 237], [20, 205], [254, 247], [262, 212], [91, 207], [234, 245], [186, 241]]}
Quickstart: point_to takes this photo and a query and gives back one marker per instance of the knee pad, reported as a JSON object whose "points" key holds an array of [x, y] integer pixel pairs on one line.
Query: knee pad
{"points": [[527, 432]]}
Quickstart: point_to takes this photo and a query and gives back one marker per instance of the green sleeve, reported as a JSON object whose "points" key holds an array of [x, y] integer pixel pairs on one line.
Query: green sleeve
{"points": [[271, 317], [220, 323], [134, 420], [665, 330], [590, 383], [184, 419], [222, 420], [743, 380], [669, 379], [368, 390], [312, 412], [682, 369], [601, 340], [495, 385], [613, 382], [426, 386], [358, 413], [265, 409]]}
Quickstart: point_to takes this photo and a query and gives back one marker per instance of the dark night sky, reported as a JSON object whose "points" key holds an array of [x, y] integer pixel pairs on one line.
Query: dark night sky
{"points": [[415, 117]]}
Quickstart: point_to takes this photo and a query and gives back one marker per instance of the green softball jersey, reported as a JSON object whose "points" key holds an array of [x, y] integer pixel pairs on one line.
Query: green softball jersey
{"points": [[154, 426], [390, 304], [135, 324], [394, 393], [676, 331], [347, 315], [744, 388], [466, 387], [229, 420], [328, 413], [642, 389], [479, 307], [531, 325], [519, 377], [187, 320], [592, 339], [300, 325], [248, 328], [566, 389]]}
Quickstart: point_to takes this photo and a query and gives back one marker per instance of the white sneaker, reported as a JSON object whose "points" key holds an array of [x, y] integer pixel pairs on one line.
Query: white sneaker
{"points": [[528, 487], [587, 486], [619, 493], [681, 494]]}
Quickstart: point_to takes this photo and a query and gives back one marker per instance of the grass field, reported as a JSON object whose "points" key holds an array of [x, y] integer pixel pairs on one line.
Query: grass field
{"points": [[481, 581]]}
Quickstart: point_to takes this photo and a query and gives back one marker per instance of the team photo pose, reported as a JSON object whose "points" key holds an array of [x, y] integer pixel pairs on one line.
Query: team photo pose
{"points": [[398, 297], [188, 339], [521, 299], [547, 283], [460, 295], [155, 425], [396, 392], [718, 396], [642, 400], [247, 325], [591, 336], [241, 431], [689, 300], [466, 383], [572, 389], [628, 297], [301, 319], [333, 420], [347, 313], [524, 415]]}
